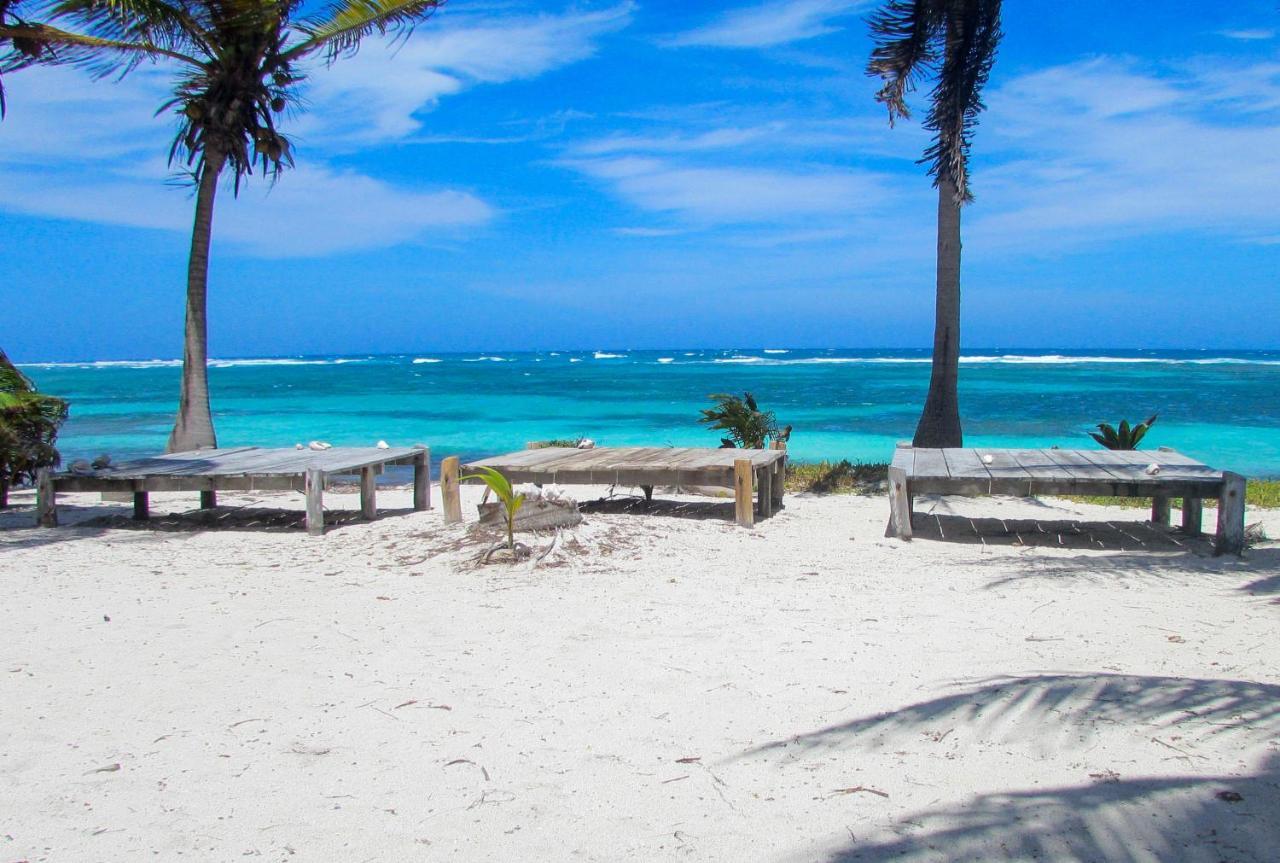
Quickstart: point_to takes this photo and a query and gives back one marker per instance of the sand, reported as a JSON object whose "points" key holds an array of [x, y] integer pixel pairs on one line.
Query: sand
{"points": [[660, 686]]}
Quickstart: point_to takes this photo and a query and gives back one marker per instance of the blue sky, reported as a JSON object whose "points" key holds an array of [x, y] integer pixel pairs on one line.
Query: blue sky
{"points": [[661, 174]]}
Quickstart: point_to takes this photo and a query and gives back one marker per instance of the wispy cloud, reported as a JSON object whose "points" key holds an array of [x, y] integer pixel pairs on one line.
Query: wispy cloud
{"points": [[380, 95], [730, 195], [1249, 35], [769, 24], [1088, 151]]}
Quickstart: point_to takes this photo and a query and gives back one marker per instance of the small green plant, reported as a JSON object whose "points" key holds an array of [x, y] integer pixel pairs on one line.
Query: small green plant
{"points": [[747, 425], [511, 502], [29, 423], [1125, 437]]}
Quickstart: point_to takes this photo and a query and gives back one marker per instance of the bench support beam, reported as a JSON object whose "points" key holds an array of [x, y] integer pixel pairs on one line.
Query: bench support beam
{"points": [[450, 491], [899, 504], [1230, 538], [422, 481], [315, 501], [744, 511], [1192, 515]]}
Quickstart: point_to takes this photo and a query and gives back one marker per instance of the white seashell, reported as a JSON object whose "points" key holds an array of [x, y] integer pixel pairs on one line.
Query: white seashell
{"points": [[1153, 469], [298, 446], [586, 443], [987, 459], [319, 445], [383, 445]]}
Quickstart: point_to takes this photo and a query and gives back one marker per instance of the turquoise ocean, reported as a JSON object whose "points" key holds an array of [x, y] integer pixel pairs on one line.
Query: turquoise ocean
{"points": [[1222, 407]]}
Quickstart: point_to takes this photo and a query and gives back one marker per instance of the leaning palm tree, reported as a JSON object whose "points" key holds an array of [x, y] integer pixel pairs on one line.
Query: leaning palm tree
{"points": [[240, 63], [956, 41]]}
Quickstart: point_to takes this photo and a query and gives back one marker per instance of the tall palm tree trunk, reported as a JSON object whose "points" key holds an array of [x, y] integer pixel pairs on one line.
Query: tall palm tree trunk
{"points": [[939, 424], [193, 428]]}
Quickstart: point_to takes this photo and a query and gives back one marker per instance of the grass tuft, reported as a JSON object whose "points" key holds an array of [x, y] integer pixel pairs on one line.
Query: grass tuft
{"points": [[840, 477]]}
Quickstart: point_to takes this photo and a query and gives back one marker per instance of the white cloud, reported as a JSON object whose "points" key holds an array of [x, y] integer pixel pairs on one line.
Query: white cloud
{"points": [[1250, 35], [770, 24], [725, 195], [379, 94], [95, 152], [1093, 150]]}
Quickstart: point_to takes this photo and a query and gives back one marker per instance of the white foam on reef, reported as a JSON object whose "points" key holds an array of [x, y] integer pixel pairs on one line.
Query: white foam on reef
{"points": [[740, 359], [575, 359], [487, 360], [666, 359], [420, 360], [601, 355], [776, 351]]}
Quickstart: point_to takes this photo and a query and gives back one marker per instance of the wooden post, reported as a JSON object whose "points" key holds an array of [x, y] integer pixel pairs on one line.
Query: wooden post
{"points": [[765, 494], [422, 480], [648, 492], [1160, 510], [141, 506], [450, 491], [1231, 514], [899, 504], [369, 492], [208, 499], [1192, 511], [315, 501], [46, 499], [742, 503], [779, 479]]}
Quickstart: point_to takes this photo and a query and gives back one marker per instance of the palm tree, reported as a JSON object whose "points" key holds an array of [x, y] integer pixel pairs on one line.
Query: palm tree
{"points": [[240, 62], [956, 40], [29, 423]]}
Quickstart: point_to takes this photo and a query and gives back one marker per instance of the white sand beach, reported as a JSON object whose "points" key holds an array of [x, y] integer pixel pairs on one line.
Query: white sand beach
{"points": [[662, 686]]}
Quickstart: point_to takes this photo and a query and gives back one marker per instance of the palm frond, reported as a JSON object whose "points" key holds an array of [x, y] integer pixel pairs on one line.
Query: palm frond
{"points": [[346, 23], [972, 37], [905, 33]]}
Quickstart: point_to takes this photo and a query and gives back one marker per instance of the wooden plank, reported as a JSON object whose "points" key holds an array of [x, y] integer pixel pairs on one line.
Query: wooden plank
{"points": [[1230, 539], [904, 457], [422, 480], [1192, 515], [315, 501], [743, 510], [963, 463], [1078, 465], [899, 504], [368, 493], [1007, 476], [450, 491], [46, 499], [930, 464]]}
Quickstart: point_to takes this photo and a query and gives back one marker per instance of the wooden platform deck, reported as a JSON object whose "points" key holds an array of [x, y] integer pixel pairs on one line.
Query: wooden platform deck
{"points": [[242, 469], [1031, 472], [746, 471]]}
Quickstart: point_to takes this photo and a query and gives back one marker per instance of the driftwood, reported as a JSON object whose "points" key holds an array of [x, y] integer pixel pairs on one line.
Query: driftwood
{"points": [[534, 514]]}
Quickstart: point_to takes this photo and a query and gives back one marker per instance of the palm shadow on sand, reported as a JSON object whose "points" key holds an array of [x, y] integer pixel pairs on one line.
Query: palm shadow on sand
{"points": [[1107, 817]]}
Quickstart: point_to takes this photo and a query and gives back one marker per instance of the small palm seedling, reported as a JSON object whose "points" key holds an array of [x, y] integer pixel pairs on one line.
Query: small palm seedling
{"points": [[511, 502], [747, 425], [1125, 437]]}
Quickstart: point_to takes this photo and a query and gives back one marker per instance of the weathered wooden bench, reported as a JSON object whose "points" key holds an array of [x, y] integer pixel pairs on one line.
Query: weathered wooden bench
{"points": [[242, 469], [1160, 475], [743, 470]]}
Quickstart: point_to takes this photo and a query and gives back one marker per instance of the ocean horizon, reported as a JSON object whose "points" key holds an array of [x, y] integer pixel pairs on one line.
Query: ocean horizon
{"points": [[1219, 406]]}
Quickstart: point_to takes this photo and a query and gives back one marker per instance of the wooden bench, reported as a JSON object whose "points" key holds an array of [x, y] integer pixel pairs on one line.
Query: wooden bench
{"points": [[242, 469], [743, 470], [1033, 472]]}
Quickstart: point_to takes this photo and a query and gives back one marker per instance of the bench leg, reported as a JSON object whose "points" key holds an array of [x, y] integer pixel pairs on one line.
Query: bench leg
{"points": [[742, 493], [368, 493], [449, 490], [422, 481], [899, 504], [141, 506], [765, 494], [648, 492], [1231, 514], [779, 482], [1192, 515], [1160, 510], [208, 499], [315, 501], [46, 499]]}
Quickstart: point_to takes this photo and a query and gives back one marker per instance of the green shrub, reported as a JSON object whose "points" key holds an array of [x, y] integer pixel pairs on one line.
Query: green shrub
{"points": [[29, 423]]}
